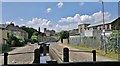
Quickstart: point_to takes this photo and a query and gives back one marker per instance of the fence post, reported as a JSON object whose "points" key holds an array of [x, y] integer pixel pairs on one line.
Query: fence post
{"points": [[5, 58], [41, 49], [47, 48], [36, 56], [65, 54], [94, 55], [44, 50]]}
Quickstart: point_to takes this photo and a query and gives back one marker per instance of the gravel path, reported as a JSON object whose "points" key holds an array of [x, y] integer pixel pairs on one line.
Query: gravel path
{"points": [[77, 56], [26, 58]]}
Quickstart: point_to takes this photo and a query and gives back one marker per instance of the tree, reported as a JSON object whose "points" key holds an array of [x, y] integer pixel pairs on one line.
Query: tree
{"points": [[34, 37], [29, 30], [64, 35]]}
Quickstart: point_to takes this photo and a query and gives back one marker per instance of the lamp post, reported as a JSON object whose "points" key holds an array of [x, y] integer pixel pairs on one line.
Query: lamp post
{"points": [[105, 50]]}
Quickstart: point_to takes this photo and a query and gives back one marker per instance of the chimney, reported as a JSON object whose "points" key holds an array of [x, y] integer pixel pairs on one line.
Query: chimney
{"points": [[39, 29], [45, 29]]}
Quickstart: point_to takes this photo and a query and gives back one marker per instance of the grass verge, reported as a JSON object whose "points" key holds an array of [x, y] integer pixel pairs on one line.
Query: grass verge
{"points": [[111, 55], [5, 48]]}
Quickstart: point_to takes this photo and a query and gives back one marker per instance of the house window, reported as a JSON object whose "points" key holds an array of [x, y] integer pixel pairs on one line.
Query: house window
{"points": [[94, 27], [14, 33], [99, 28], [88, 28]]}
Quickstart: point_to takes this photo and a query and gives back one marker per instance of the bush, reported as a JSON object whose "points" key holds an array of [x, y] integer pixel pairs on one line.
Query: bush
{"points": [[64, 35], [15, 41], [114, 42], [5, 48], [34, 39]]}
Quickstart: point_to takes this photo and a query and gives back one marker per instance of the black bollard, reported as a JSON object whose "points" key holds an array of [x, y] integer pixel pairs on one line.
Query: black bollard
{"points": [[65, 54], [94, 55], [36, 56], [5, 58], [44, 50], [41, 49], [47, 48]]}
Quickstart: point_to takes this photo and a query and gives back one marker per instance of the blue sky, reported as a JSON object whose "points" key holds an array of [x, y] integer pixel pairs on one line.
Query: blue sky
{"points": [[57, 0], [57, 15]]}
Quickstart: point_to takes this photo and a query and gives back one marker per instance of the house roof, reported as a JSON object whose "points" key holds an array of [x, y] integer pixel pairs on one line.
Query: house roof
{"points": [[83, 24], [101, 23], [16, 28], [3, 25]]}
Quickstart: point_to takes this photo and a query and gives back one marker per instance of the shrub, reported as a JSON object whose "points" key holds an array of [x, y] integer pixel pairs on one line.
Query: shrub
{"points": [[15, 41], [5, 48], [34, 39]]}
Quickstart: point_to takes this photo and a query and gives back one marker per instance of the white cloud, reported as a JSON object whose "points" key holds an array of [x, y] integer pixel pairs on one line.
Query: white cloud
{"points": [[8, 22], [82, 3], [22, 25], [68, 19], [39, 22], [60, 5], [77, 18], [15, 23], [96, 17], [49, 10], [65, 27], [21, 19], [86, 18]]}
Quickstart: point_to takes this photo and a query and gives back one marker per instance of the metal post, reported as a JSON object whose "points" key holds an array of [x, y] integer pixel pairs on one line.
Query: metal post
{"points": [[36, 56], [41, 49], [44, 50], [94, 55], [47, 48], [5, 58], [105, 50], [66, 54]]}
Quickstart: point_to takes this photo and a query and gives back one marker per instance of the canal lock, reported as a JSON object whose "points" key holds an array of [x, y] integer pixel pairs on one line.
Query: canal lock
{"points": [[42, 54]]}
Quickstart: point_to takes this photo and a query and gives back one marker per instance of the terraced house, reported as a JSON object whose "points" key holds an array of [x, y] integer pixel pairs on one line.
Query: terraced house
{"points": [[11, 29], [96, 29]]}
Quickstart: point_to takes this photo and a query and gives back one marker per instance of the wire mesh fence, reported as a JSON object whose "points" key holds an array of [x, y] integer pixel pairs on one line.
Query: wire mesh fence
{"points": [[112, 43]]}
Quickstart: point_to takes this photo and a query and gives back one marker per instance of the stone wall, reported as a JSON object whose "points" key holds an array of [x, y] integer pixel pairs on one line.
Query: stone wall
{"points": [[65, 41]]}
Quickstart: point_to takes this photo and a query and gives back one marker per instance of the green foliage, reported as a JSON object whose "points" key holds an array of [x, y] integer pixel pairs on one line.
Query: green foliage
{"points": [[35, 34], [34, 37], [29, 30], [15, 41], [58, 35], [64, 34], [114, 41], [10, 39], [5, 48]]}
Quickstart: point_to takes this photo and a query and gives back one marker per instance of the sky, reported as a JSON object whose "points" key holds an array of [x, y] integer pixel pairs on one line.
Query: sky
{"points": [[58, 0], [57, 15]]}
